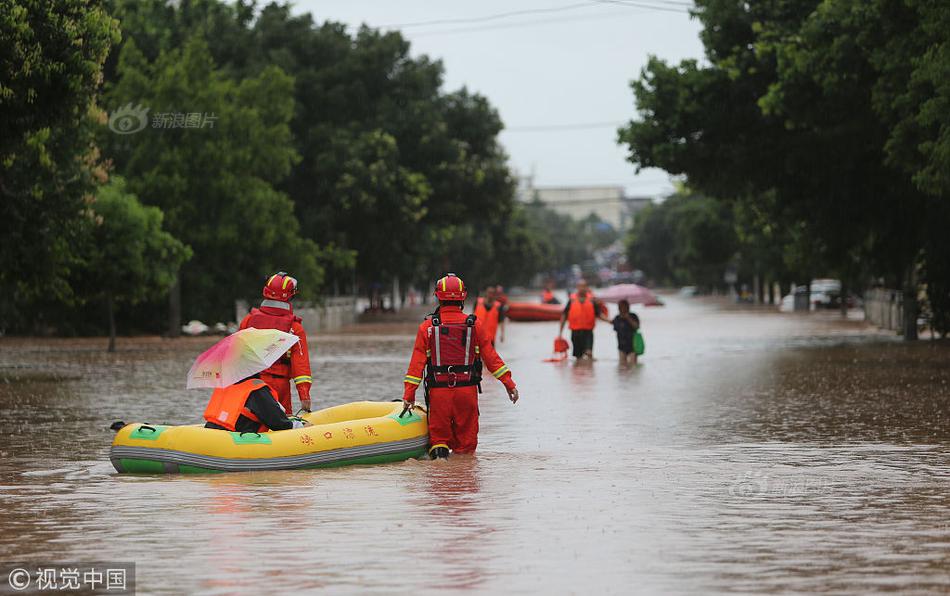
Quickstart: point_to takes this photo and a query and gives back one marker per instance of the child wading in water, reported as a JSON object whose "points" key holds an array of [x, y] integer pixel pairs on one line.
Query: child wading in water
{"points": [[626, 324]]}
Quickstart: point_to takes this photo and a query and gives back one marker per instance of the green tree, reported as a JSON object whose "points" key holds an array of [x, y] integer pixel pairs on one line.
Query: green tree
{"points": [[380, 143], [826, 76], [686, 239], [215, 183], [447, 168], [650, 243], [130, 257], [378, 206], [51, 56], [788, 109]]}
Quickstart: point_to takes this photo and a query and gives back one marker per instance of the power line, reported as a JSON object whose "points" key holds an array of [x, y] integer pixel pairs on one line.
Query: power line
{"points": [[659, 5], [650, 3], [524, 25], [664, 6], [491, 17]]}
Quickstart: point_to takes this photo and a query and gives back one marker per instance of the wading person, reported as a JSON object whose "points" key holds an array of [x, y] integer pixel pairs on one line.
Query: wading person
{"points": [[448, 355], [547, 295], [490, 310], [248, 406], [502, 298], [581, 314], [275, 312], [626, 325]]}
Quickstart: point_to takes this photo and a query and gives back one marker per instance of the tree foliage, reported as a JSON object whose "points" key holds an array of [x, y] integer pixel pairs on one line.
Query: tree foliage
{"points": [[129, 257], [215, 183], [382, 147], [686, 239], [51, 55], [821, 120], [265, 141]]}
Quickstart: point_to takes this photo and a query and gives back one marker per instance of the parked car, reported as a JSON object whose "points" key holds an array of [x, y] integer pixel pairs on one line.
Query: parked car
{"points": [[825, 293], [194, 328]]}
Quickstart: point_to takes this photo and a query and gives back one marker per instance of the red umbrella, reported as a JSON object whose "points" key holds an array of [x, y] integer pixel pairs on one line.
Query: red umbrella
{"points": [[632, 293]]}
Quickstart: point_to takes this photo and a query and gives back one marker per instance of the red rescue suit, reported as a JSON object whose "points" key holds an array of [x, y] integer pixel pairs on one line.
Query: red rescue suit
{"points": [[292, 366], [453, 408], [227, 404], [489, 317]]}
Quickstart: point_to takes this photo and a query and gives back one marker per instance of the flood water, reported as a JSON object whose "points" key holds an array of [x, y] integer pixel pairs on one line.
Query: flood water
{"points": [[749, 451]]}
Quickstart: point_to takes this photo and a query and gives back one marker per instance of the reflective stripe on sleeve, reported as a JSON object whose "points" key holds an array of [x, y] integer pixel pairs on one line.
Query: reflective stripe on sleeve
{"points": [[303, 379], [412, 380], [498, 373]]}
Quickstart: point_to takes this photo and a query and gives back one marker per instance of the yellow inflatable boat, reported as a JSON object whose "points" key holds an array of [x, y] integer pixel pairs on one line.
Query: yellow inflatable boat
{"points": [[363, 432]]}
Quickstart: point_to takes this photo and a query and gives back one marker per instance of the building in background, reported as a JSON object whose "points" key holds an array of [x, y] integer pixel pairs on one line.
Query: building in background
{"points": [[609, 203]]}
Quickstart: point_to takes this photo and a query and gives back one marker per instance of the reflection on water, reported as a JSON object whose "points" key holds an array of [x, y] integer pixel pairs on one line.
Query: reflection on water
{"points": [[747, 451]]}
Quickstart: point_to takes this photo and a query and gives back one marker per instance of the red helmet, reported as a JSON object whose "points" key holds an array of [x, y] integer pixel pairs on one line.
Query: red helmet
{"points": [[450, 287], [280, 286]]}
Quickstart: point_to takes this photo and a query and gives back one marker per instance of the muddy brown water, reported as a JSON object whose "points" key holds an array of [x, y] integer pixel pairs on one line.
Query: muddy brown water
{"points": [[749, 451]]}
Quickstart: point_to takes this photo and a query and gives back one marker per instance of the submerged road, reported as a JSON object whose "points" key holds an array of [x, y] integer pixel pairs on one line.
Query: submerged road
{"points": [[749, 451]]}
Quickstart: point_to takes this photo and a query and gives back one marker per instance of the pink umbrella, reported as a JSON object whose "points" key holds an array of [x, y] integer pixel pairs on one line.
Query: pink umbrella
{"points": [[632, 293], [239, 356]]}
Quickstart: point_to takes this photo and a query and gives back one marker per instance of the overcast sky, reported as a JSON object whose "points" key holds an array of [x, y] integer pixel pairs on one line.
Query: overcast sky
{"points": [[558, 73]]}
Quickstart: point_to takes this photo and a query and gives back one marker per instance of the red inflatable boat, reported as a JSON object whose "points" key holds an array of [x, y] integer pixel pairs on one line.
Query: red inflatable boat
{"points": [[534, 311]]}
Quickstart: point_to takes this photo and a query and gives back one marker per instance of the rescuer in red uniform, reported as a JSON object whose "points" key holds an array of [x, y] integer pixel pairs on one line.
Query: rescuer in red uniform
{"points": [[448, 355], [490, 309], [275, 312], [547, 295]]}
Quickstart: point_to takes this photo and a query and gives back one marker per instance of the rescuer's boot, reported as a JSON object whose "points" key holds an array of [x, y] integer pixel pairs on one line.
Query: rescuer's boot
{"points": [[439, 452]]}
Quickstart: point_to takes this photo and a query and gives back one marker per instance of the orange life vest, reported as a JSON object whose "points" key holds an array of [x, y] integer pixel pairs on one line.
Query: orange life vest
{"points": [[581, 315], [488, 316], [547, 296], [228, 403]]}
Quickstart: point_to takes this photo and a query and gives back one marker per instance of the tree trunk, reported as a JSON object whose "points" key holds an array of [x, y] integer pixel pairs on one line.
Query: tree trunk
{"points": [[910, 304], [174, 308], [395, 294], [844, 299], [110, 304]]}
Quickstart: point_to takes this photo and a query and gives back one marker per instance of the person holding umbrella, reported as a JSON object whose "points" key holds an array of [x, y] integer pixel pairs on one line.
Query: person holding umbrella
{"points": [[241, 401], [627, 325]]}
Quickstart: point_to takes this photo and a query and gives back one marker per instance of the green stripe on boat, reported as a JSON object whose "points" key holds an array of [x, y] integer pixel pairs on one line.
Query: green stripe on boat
{"points": [[149, 460]]}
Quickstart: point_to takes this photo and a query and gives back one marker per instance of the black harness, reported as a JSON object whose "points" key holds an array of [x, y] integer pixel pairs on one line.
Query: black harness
{"points": [[472, 373]]}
